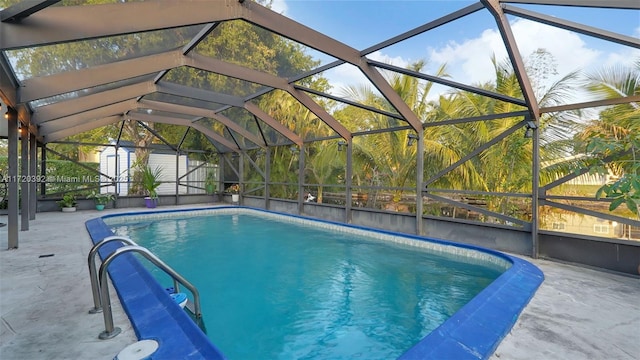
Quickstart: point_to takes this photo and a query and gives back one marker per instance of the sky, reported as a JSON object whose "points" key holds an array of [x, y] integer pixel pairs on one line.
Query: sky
{"points": [[466, 45]]}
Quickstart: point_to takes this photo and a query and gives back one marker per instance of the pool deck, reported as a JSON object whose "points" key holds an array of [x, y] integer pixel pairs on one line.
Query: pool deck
{"points": [[577, 313]]}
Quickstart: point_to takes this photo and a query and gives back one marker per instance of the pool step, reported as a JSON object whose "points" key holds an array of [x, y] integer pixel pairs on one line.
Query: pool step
{"points": [[189, 306], [190, 309]]}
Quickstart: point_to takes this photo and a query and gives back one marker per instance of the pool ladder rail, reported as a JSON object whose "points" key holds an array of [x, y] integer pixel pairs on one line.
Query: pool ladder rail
{"points": [[100, 286]]}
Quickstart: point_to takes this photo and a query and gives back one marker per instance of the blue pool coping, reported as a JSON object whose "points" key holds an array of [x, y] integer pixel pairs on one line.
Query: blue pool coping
{"points": [[473, 332], [151, 311]]}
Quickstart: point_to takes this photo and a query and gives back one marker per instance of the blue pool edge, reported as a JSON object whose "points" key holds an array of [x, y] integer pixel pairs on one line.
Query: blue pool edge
{"points": [[473, 332], [151, 311]]}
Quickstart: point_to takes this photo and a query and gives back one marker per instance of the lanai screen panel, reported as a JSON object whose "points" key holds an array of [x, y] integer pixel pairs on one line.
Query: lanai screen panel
{"points": [[53, 59], [208, 81], [244, 139], [186, 101], [389, 19], [241, 43], [257, 126], [91, 91], [289, 112]]}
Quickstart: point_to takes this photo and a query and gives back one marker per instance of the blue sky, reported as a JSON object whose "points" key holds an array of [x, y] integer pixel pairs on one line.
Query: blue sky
{"points": [[466, 45]]}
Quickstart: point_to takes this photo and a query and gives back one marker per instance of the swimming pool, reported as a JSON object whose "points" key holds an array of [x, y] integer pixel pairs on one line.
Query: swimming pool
{"points": [[298, 290], [472, 332]]}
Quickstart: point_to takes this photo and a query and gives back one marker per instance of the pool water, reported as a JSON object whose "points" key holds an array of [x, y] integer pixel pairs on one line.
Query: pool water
{"points": [[280, 290]]}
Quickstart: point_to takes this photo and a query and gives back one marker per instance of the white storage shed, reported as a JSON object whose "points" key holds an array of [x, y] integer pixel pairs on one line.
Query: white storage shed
{"points": [[120, 167]]}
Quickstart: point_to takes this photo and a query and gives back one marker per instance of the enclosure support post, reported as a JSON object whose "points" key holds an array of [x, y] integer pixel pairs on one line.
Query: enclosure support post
{"points": [[348, 182], [12, 152], [116, 183], [43, 169], [419, 180], [301, 179], [24, 184], [267, 177], [241, 176], [33, 196], [221, 176], [116, 179], [177, 177], [494, 6], [535, 192]]}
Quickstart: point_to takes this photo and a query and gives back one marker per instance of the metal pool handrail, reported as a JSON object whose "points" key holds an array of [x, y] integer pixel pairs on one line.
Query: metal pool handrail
{"points": [[93, 274], [111, 331]]}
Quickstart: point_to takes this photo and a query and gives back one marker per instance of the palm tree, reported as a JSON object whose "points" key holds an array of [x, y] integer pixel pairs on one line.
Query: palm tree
{"points": [[617, 122], [616, 131], [387, 153], [323, 166], [506, 166], [286, 109]]}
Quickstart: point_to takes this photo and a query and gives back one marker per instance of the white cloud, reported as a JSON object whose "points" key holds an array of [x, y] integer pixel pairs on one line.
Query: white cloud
{"points": [[279, 6], [346, 74], [384, 58], [470, 62], [625, 58]]}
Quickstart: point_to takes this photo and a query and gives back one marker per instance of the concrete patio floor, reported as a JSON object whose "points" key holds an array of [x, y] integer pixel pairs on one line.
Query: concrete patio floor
{"points": [[578, 313]]}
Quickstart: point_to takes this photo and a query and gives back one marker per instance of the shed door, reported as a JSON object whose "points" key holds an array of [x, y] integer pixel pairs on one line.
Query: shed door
{"points": [[112, 171]]}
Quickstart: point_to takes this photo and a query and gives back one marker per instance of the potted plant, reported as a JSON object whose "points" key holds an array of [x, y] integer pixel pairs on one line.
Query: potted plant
{"points": [[100, 199], [68, 203], [234, 190], [150, 181], [210, 183]]}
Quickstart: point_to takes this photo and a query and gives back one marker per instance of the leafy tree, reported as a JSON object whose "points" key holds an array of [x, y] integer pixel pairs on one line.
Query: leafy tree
{"points": [[625, 190], [616, 133], [324, 166], [257, 48], [388, 153], [261, 50], [57, 58], [284, 170], [506, 166]]}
